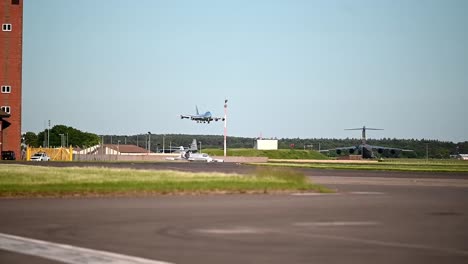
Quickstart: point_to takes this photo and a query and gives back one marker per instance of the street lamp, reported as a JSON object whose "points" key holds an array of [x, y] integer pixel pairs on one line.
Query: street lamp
{"points": [[62, 140], [118, 147], [48, 136], [149, 142], [200, 147], [164, 144]]}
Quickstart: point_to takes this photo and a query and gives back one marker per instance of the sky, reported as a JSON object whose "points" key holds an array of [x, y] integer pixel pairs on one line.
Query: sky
{"points": [[289, 68]]}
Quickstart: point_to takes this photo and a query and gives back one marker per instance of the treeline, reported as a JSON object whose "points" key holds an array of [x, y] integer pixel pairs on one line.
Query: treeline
{"points": [[63, 135], [435, 149], [60, 135]]}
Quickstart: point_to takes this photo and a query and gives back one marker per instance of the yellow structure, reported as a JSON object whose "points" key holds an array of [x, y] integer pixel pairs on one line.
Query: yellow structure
{"points": [[57, 154]]}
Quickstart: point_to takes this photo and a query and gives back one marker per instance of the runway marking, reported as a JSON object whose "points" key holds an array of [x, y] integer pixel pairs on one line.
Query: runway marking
{"points": [[373, 193], [334, 223], [67, 253], [234, 231]]}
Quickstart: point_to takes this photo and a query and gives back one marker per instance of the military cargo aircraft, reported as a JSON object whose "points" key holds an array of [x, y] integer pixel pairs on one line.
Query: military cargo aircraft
{"points": [[365, 149]]}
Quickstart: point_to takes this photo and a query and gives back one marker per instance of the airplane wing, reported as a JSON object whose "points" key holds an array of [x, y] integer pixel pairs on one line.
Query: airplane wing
{"points": [[340, 149], [192, 117], [217, 118], [381, 149], [185, 116]]}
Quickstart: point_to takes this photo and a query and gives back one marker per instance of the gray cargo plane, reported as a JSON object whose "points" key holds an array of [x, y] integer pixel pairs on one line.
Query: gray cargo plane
{"points": [[365, 149]]}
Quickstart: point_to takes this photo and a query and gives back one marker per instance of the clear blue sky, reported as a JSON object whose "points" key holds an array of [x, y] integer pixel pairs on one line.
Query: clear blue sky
{"points": [[289, 68]]}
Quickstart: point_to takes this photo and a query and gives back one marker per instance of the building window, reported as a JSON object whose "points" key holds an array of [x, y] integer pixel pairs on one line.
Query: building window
{"points": [[15, 2], [6, 27], [5, 109], [6, 89]]}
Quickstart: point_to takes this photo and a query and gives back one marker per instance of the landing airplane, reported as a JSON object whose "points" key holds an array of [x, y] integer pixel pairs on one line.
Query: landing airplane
{"points": [[202, 118], [365, 149]]}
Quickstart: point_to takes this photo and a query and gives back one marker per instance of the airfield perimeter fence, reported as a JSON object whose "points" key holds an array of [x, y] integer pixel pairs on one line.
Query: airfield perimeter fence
{"points": [[157, 158], [55, 154]]}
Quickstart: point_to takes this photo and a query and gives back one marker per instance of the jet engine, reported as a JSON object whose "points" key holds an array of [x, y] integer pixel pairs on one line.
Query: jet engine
{"points": [[380, 151], [338, 151]]}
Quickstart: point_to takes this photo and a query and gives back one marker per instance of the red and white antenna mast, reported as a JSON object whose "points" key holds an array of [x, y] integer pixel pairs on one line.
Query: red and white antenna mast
{"points": [[225, 125]]}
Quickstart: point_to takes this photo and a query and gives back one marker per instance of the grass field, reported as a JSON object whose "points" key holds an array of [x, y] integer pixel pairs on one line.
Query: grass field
{"points": [[26, 181], [272, 154], [386, 165]]}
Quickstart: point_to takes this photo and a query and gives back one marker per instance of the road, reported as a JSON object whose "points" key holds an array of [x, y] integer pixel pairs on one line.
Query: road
{"points": [[366, 221]]}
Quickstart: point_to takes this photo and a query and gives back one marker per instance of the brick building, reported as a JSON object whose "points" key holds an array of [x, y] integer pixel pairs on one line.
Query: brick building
{"points": [[11, 46]]}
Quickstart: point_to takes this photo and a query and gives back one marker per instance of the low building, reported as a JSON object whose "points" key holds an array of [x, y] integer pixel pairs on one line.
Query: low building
{"points": [[113, 149], [266, 144], [462, 156]]}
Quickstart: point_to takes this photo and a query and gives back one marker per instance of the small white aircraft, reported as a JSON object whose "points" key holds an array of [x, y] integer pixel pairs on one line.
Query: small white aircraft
{"points": [[191, 156]]}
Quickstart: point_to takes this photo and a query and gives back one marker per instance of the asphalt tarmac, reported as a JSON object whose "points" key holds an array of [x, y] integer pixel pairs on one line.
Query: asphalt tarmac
{"points": [[366, 221], [229, 167]]}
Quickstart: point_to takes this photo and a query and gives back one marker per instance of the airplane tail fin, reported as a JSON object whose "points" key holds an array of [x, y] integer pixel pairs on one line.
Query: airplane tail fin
{"points": [[196, 110], [193, 146]]}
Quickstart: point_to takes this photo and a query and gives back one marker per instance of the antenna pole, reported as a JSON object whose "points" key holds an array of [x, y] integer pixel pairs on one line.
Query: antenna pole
{"points": [[225, 125]]}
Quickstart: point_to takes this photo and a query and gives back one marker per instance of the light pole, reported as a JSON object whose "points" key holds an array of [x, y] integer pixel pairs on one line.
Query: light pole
{"points": [[164, 151], [225, 125], [149, 142], [48, 136], [118, 147], [427, 152], [200, 147], [62, 139]]}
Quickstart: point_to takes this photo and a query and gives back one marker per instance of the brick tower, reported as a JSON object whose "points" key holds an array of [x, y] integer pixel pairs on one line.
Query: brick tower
{"points": [[11, 46]]}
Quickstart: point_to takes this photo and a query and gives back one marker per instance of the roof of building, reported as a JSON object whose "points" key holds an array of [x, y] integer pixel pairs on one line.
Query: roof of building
{"points": [[126, 148]]}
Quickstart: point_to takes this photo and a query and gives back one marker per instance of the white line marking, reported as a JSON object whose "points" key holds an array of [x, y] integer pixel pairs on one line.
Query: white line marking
{"points": [[67, 253], [367, 193], [327, 224], [233, 231]]}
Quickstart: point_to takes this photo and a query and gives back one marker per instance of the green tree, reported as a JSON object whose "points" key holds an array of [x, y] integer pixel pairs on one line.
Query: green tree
{"points": [[30, 139], [69, 135]]}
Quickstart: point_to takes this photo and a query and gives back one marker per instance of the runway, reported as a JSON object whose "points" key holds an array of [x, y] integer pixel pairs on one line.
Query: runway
{"points": [[364, 222]]}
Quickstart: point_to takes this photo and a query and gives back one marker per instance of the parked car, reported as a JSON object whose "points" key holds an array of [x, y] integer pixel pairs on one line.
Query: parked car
{"points": [[8, 155], [40, 156]]}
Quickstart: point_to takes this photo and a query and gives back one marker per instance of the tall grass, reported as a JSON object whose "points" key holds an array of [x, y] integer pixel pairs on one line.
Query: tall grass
{"points": [[23, 180], [394, 165], [272, 154]]}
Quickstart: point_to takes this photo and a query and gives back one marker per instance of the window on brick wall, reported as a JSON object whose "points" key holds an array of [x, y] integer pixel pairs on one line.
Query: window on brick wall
{"points": [[5, 109], [15, 2], [6, 27], [6, 89]]}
